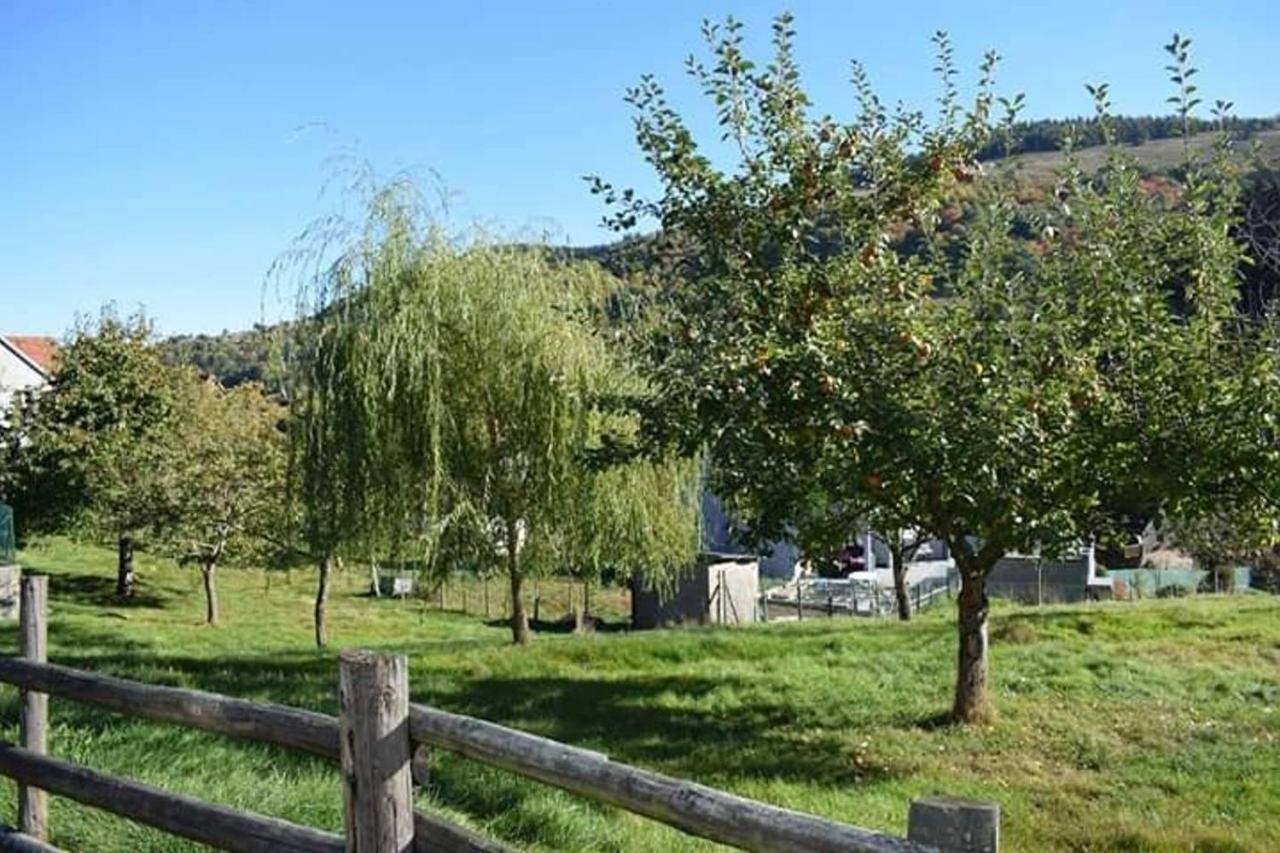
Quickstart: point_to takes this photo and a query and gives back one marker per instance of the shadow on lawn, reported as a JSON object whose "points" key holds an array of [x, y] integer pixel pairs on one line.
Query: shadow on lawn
{"points": [[669, 723], [632, 720], [643, 719], [100, 591]]}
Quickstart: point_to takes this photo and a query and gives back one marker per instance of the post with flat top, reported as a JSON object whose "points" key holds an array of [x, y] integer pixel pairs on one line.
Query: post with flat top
{"points": [[954, 825], [373, 695], [33, 707]]}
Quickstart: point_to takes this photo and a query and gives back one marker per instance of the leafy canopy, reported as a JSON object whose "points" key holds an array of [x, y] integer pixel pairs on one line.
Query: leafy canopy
{"points": [[451, 407]]}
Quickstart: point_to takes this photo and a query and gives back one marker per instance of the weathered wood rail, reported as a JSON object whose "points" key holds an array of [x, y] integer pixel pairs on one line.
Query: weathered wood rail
{"points": [[375, 740]]}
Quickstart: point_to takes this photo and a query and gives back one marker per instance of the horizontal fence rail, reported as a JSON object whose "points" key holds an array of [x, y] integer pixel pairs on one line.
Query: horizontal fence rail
{"points": [[694, 808], [264, 722], [177, 814], [373, 740], [13, 841]]}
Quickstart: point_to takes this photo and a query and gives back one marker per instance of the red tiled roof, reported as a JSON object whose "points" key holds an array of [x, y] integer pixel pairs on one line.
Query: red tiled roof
{"points": [[39, 349]]}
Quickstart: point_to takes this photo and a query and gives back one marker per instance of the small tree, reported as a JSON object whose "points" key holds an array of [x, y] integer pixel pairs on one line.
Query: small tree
{"points": [[223, 498], [88, 454], [449, 405], [827, 337]]}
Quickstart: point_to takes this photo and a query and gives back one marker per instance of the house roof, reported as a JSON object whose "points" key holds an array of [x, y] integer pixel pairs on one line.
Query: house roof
{"points": [[38, 350]]}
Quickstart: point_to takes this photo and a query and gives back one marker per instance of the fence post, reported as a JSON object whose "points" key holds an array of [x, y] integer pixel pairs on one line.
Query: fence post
{"points": [[955, 825], [377, 793], [33, 708]]}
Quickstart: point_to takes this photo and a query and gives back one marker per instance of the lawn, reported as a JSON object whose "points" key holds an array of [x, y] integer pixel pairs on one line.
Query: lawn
{"points": [[1127, 726]]}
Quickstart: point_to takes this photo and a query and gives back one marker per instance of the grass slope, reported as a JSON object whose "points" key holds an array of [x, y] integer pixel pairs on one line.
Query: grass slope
{"points": [[1148, 726], [1157, 155]]}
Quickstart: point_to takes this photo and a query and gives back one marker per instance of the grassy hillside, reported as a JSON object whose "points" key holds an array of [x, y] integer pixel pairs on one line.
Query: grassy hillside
{"points": [[1149, 726], [1158, 156]]}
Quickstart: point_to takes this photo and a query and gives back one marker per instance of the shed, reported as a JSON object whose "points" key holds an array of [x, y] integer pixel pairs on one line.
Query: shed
{"points": [[717, 589]]}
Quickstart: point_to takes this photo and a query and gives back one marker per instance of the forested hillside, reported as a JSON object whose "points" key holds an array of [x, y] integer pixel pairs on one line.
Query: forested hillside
{"points": [[233, 357], [1155, 142]]}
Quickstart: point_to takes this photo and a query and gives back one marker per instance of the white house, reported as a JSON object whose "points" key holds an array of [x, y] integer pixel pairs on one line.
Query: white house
{"points": [[25, 362]]}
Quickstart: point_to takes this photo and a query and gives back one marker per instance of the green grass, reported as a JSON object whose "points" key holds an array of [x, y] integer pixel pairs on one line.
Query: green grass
{"points": [[1147, 726]]}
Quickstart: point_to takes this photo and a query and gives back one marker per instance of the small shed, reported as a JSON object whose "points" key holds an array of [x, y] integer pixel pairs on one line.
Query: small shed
{"points": [[721, 589]]}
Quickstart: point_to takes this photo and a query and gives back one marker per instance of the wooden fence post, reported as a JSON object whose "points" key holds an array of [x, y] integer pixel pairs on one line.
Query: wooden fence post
{"points": [[33, 707], [373, 695], [955, 825]]}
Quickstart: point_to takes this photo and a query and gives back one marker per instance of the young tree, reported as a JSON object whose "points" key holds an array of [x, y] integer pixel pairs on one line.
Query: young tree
{"points": [[222, 502], [827, 339], [448, 404], [87, 454]]}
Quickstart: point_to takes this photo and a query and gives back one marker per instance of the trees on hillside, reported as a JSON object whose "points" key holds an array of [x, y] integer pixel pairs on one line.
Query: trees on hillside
{"points": [[450, 408], [997, 392]]}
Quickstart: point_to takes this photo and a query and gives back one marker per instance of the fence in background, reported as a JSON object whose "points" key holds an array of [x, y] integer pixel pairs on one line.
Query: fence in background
{"points": [[8, 544], [807, 598], [379, 740], [1153, 583]]}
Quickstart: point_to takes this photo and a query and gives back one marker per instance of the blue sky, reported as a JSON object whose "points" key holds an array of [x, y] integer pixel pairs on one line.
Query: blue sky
{"points": [[164, 153]]}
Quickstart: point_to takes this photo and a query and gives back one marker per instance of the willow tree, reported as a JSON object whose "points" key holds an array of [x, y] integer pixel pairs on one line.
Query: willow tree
{"points": [[448, 410]]}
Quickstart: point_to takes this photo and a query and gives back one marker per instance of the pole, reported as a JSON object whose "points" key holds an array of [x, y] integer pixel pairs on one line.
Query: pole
{"points": [[33, 708], [373, 692]]}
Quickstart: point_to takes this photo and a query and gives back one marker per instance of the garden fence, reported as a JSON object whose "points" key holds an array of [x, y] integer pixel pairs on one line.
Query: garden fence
{"points": [[381, 742]]}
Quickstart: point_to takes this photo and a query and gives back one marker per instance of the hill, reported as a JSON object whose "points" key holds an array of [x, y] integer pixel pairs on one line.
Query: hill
{"points": [[1158, 156], [233, 357], [243, 356], [1142, 726]]}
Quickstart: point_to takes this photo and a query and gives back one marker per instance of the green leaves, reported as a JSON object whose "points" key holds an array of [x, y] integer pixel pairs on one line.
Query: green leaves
{"points": [[1012, 379], [457, 394]]}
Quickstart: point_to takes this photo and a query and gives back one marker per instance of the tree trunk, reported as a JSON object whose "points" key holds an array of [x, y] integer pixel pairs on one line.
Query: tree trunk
{"points": [[898, 554], [322, 599], [972, 700], [582, 612], [210, 593], [124, 568], [579, 608], [519, 620]]}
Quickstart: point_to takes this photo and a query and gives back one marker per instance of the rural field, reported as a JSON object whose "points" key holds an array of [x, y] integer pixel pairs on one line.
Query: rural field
{"points": [[1147, 726]]}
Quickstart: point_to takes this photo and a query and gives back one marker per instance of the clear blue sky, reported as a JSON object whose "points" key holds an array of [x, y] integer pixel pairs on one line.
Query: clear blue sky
{"points": [[164, 153]]}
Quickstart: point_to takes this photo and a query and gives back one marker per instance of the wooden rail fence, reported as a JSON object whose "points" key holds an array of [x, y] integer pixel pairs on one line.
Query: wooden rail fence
{"points": [[379, 739]]}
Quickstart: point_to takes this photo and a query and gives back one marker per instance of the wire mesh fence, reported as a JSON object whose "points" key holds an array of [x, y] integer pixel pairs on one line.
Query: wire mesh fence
{"points": [[8, 545]]}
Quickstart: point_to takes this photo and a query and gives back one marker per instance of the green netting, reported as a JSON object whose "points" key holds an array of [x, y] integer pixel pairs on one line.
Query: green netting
{"points": [[8, 547]]}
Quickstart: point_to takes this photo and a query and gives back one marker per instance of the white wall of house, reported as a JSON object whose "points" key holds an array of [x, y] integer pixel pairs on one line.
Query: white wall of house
{"points": [[16, 374]]}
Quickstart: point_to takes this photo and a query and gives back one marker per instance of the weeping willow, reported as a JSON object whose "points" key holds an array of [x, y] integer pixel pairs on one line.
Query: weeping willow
{"points": [[446, 412]]}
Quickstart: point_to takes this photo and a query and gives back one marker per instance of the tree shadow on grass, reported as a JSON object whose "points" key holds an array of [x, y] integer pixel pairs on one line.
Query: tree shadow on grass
{"points": [[565, 625], [640, 720], [686, 726], [99, 591]]}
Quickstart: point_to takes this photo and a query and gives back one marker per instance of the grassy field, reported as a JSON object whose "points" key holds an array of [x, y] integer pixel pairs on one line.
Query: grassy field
{"points": [[1156, 155], [1147, 726]]}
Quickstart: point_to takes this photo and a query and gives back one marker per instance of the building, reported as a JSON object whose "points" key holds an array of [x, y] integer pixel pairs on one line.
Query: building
{"points": [[720, 535], [1031, 579], [26, 361], [719, 589]]}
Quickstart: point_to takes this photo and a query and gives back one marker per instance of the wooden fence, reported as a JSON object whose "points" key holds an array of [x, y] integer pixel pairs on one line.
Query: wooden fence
{"points": [[379, 740]]}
